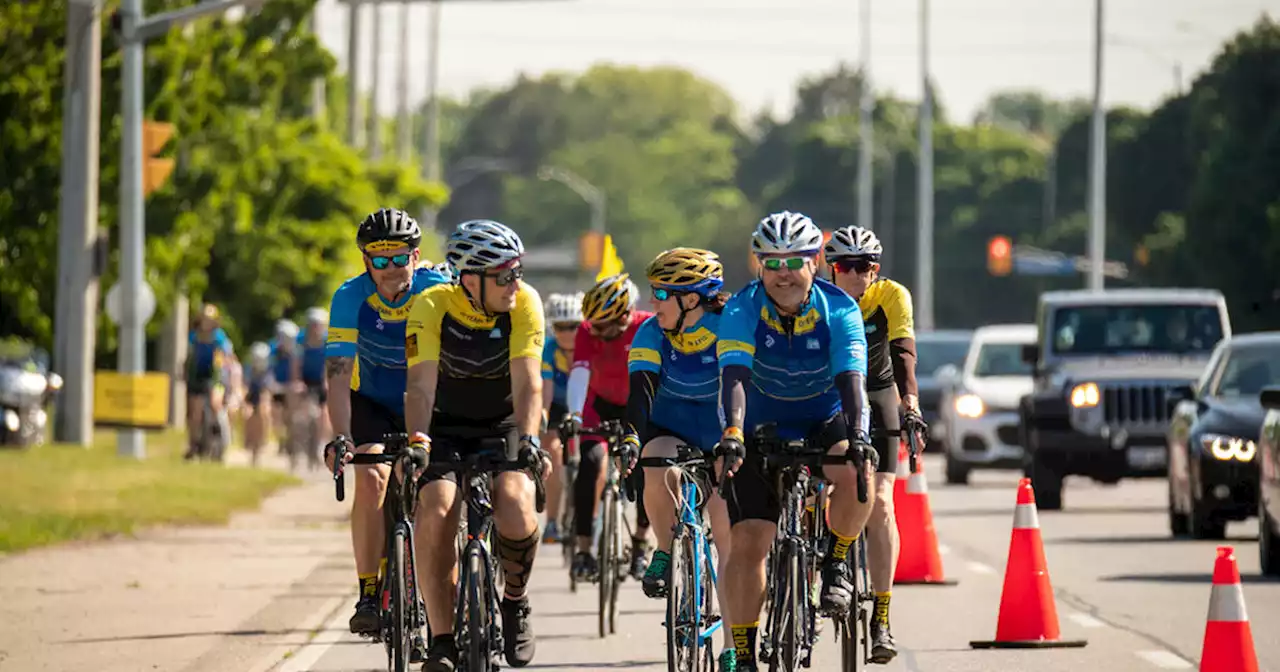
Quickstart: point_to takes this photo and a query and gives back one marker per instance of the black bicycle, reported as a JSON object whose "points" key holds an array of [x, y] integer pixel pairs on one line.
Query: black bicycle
{"points": [[791, 627], [612, 551], [476, 626], [402, 613]]}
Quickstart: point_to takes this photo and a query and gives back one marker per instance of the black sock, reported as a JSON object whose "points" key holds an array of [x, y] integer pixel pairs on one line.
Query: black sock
{"points": [[744, 642], [442, 640]]}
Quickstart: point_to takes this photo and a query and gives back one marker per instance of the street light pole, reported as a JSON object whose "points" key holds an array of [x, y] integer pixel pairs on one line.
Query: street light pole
{"points": [[1097, 163], [924, 185], [866, 105]]}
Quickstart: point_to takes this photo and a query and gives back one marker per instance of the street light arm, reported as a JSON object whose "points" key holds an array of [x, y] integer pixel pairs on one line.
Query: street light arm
{"points": [[159, 24], [585, 189]]}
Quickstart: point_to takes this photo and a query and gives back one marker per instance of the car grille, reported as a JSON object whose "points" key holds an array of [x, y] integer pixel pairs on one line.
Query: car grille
{"points": [[1135, 404], [1008, 435]]}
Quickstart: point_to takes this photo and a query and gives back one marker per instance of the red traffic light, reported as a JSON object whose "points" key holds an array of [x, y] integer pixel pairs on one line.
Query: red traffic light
{"points": [[999, 256], [1000, 247]]}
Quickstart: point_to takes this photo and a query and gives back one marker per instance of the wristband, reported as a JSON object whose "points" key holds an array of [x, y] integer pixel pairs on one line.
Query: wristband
{"points": [[734, 433], [631, 439], [420, 439]]}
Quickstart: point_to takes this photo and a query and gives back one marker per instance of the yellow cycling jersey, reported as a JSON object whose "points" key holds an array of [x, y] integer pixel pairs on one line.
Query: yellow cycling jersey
{"points": [[887, 316], [474, 349]]}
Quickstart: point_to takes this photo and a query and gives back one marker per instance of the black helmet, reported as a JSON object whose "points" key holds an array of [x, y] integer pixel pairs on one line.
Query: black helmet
{"points": [[389, 225]]}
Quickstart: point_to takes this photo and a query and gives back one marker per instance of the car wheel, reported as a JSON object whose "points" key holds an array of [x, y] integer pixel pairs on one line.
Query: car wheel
{"points": [[1047, 484], [1179, 522], [957, 471], [1268, 543]]}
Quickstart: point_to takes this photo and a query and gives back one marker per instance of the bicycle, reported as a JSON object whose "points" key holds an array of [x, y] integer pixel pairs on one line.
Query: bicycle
{"points": [[791, 624], [855, 627], [477, 630], [303, 435], [569, 475], [613, 556], [691, 621], [211, 434], [402, 614]]}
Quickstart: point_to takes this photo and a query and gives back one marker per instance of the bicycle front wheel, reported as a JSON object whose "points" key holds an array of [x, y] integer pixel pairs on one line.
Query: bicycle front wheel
{"points": [[608, 557], [682, 610], [786, 612], [479, 656], [401, 644]]}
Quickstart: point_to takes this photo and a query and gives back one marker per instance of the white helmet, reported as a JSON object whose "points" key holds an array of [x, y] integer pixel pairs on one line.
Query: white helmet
{"points": [[853, 241], [259, 353], [317, 316], [286, 329], [564, 308], [482, 244], [786, 232]]}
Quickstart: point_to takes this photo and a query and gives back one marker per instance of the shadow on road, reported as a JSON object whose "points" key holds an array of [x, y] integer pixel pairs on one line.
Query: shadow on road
{"points": [[183, 635], [1134, 539], [1204, 578], [622, 664], [1008, 511], [539, 614]]}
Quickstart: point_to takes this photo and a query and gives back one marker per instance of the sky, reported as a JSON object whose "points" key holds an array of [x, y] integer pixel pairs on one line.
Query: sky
{"points": [[758, 50]]}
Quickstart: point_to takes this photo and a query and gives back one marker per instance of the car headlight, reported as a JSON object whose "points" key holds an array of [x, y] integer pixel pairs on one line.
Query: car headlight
{"points": [[1085, 395], [970, 406], [1223, 447]]}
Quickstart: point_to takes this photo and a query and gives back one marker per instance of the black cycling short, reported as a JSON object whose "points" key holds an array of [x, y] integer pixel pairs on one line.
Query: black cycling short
{"points": [[752, 493], [453, 437], [317, 390], [200, 387], [370, 420], [279, 398], [556, 414], [886, 427]]}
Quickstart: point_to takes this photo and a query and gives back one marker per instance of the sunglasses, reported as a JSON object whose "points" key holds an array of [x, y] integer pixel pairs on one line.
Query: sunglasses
{"points": [[662, 294], [381, 263], [790, 263], [852, 265], [506, 276], [565, 326]]}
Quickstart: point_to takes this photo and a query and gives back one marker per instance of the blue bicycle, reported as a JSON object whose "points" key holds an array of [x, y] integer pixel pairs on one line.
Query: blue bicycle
{"points": [[692, 620]]}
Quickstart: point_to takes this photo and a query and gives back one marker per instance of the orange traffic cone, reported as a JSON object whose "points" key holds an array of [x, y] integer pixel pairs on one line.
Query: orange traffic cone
{"points": [[1028, 616], [919, 561], [902, 474], [1228, 641]]}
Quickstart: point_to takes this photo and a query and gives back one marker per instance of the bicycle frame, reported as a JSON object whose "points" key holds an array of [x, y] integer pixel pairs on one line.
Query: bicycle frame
{"points": [[610, 550]]}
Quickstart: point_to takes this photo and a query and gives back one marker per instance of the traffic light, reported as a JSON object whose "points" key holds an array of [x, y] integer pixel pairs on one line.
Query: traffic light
{"points": [[155, 170], [590, 250], [999, 256]]}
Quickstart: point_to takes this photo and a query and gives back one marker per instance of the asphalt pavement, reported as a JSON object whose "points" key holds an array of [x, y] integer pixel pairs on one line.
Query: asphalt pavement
{"points": [[1137, 596]]}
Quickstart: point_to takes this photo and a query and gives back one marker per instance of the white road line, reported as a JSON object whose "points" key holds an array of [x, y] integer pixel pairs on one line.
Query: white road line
{"points": [[1164, 660], [979, 568], [310, 653], [1085, 620]]}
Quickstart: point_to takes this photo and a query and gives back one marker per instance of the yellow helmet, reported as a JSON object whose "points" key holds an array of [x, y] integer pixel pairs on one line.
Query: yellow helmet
{"points": [[687, 269], [610, 298], [210, 312]]}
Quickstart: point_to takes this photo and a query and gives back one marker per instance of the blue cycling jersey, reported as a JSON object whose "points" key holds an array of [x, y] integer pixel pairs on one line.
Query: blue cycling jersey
{"points": [[555, 368], [280, 362], [364, 326], [312, 359], [793, 373], [687, 399], [207, 357]]}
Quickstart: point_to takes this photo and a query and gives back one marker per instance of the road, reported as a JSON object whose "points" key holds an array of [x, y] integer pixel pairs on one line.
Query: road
{"points": [[1138, 597]]}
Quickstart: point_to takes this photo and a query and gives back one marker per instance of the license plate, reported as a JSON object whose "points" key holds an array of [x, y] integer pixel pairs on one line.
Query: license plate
{"points": [[1146, 457]]}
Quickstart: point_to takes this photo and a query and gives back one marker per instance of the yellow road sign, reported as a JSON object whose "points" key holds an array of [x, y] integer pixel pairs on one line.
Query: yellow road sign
{"points": [[131, 400]]}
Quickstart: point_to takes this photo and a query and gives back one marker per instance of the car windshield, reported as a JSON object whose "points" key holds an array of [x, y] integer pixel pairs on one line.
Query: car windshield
{"points": [[1249, 369], [1001, 359], [935, 353], [1114, 329]]}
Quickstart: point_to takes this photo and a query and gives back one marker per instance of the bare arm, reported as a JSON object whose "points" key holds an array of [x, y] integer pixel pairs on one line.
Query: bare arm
{"points": [[338, 372], [420, 395], [526, 393], [547, 420]]}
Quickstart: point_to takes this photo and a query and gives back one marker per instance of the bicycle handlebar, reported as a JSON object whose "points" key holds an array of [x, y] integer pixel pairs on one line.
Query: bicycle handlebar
{"points": [[779, 452], [493, 462], [915, 427], [395, 447]]}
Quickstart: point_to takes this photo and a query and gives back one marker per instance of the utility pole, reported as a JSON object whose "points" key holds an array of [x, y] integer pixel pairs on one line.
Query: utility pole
{"points": [[135, 30], [431, 153], [866, 105], [1097, 164], [373, 139], [319, 102], [404, 139], [354, 121], [924, 185], [76, 313]]}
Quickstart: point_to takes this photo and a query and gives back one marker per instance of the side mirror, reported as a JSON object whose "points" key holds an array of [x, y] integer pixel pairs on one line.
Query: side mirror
{"points": [[1177, 395], [1031, 354], [1271, 397]]}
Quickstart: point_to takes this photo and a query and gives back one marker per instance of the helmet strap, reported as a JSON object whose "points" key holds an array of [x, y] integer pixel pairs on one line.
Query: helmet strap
{"points": [[476, 302]]}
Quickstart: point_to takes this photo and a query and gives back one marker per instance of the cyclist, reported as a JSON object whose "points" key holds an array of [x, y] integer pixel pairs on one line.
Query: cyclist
{"points": [[475, 349], [209, 348], [365, 366], [854, 256], [256, 410], [598, 383], [675, 389], [564, 315], [284, 348], [791, 352], [308, 371]]}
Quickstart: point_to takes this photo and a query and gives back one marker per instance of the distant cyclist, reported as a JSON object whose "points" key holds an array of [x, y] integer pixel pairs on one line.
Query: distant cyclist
{"points": [[854, 255], [284, 350], [367, 332], [675, 393], [475, 349], [792, 352], [308, 372], [208, 350], [598, 384], [257, 407], [564, 316]]}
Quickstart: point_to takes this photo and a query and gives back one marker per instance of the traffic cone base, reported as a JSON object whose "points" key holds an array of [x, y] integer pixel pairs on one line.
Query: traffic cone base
{"points": [[1028, 616], [919, 560]]}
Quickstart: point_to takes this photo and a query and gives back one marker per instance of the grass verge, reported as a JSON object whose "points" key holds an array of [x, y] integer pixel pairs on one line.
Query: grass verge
{"points": [[56, 493]]}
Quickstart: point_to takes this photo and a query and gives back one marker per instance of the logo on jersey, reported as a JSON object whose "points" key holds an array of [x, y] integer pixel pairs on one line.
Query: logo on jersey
{"points": [[768, 340], [706, 359], [495, 334], [813, 344], [411, 346], [871, 328]]}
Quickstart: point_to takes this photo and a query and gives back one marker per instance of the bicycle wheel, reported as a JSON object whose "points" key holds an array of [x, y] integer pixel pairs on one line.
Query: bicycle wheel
{"points": [[682, 614], [401, 645], [478, 656], [786, 612], [608, 558]]}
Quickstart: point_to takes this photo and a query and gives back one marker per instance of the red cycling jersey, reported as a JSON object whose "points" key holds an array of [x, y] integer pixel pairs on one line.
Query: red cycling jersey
{"points": [[607, 361]]}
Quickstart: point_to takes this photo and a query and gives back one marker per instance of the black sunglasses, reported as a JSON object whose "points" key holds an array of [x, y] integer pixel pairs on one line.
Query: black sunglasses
{"points": [[381, 263], [852, 265], [507, 276]]}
